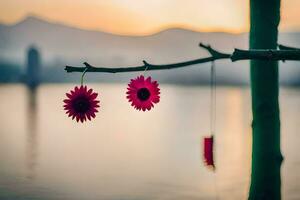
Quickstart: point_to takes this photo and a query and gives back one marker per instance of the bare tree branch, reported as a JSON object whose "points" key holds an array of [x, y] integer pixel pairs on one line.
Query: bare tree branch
{"points": [[283, 47], [269, 54], [287, 53]]}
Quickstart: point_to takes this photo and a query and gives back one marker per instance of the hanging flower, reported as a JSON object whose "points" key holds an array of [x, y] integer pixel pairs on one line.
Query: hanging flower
{"points": [[81, 103], [143, 93], [208, 151]]}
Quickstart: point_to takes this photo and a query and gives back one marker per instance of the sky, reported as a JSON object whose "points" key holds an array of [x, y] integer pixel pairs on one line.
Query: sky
{"points": [[142, 17]]}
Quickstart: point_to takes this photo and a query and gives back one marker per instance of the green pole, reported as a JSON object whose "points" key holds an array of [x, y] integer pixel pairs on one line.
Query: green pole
{"points": [[266, 154]]}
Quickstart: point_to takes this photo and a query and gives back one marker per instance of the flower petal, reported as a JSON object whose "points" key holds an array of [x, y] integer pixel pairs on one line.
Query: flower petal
{"points": [[81, 103], [138, 83]]}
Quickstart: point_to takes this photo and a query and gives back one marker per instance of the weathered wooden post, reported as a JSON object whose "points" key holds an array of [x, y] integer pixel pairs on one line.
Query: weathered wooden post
{"points": [[266, 154]]}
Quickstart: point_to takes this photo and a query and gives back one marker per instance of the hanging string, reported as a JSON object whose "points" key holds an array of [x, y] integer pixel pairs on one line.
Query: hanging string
{"points": [[213, 113], [146, 68], [209, 140], [81, 80], [213, 99]]}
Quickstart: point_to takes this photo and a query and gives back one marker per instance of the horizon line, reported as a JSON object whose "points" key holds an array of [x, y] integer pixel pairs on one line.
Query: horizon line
{"points": [[154, 32]]}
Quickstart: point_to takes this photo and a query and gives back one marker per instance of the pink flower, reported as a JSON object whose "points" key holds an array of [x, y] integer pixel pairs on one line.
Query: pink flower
{"points": [[143, 93], [208, 151], [81, 103]]}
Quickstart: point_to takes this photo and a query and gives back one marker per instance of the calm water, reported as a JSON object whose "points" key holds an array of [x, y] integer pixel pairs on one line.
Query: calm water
{"points": [[129, 155]]}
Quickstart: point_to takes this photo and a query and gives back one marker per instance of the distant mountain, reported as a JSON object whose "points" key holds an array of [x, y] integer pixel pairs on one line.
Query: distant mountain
{"points": [[61, 45]]}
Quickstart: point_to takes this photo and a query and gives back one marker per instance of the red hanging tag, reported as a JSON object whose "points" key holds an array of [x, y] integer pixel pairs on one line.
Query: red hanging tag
{"points": [[208, 143]]}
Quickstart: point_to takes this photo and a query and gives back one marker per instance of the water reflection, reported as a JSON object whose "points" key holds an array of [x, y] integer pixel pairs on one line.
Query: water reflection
{"points": [[32, 134], [125, 154]]}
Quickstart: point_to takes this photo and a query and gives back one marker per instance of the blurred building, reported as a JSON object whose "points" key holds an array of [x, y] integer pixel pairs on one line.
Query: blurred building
{"points": [[33, 67]]}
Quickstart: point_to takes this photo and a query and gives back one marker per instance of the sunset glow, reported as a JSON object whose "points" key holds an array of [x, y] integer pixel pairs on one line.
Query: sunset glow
{"points": [[136, 17]]}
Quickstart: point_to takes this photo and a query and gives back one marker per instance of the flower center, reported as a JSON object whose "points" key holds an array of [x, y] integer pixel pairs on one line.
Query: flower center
{"points": [[81, 105], [143, 94]]}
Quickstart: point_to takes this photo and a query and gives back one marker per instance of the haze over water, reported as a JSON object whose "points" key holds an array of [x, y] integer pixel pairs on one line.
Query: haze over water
{"points": [[126, 154]]}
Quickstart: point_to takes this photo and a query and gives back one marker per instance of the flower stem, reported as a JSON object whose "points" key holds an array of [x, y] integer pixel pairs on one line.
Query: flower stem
{"points": [[81, 80]]}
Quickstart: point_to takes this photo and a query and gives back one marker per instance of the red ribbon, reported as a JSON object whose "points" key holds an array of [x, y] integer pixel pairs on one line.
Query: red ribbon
{"points": [[208, 151]]}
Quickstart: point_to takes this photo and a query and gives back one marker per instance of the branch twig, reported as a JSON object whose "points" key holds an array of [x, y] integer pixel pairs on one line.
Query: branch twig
{"points": [[283, 47], [287, 53], [269, 54]]}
